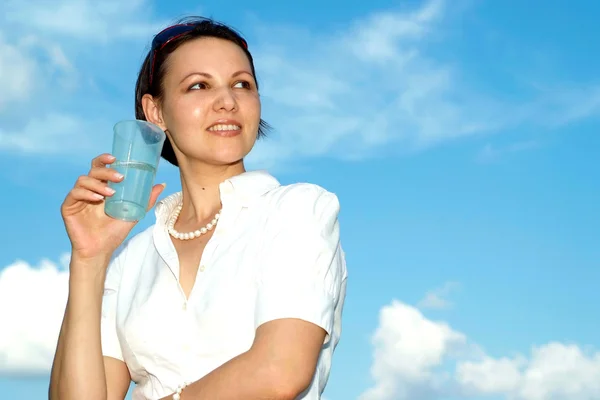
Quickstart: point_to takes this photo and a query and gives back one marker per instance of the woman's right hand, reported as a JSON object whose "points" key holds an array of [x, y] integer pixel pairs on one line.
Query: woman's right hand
{"points": [[92, 233]]}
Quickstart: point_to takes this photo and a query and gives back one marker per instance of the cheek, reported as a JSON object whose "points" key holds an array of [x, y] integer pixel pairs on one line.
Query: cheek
{"points": [[197, 112], [253, 105], [186, 110]]}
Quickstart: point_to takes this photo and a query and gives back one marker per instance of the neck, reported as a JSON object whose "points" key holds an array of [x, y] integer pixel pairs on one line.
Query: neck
{"points": [[200, 187]]}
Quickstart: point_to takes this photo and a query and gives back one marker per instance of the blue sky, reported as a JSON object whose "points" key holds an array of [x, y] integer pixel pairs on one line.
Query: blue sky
{"points": [[460, 136]]}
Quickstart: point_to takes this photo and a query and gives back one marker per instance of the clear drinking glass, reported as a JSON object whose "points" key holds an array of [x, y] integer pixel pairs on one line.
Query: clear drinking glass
{"points": [[136, 146]]}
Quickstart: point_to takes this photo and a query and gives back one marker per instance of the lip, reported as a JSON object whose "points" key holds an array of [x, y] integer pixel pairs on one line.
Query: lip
{"points": [[225, 133]]}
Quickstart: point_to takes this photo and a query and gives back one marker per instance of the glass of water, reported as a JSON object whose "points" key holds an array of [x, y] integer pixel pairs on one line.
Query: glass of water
{"points": [[136, 146]]}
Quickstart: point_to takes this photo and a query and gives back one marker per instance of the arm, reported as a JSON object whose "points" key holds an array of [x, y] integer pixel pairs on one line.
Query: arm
{"points": [[300, 285], [279, 365], [79, 369]]}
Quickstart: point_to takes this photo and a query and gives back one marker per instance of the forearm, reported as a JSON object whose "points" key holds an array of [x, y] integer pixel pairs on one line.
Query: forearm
{"points": [[247, 376], [78, 368]]}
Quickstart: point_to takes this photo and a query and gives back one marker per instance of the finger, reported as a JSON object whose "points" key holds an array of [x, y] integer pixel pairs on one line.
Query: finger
{"points": [[81, 194], [105, 174], [94, 185], [156, 191], [77, 195], [102, 160]]}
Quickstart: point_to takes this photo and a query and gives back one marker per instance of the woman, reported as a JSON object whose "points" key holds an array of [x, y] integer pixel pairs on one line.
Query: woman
{"points": [[236, 292]]}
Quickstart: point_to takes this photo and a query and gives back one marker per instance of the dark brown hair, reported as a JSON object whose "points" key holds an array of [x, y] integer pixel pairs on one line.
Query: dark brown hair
{"points": [[203, 27]]}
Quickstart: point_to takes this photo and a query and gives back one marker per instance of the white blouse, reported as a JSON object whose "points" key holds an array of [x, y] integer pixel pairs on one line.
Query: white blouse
{"points": [[275, 253]]}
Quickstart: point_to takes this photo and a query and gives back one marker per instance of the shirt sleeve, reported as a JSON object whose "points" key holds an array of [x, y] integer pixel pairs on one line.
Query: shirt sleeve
{"points": [[304, 266], [108, 322]]}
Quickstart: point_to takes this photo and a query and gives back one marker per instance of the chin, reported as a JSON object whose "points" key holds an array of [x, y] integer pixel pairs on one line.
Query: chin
{"points": [[227, 156], [223, 151]]}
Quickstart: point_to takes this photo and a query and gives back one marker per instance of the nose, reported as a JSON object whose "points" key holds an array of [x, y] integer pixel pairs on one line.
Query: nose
{"points": [[225, 100]]}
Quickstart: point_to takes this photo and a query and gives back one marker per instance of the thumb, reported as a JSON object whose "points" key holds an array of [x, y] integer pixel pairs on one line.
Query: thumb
{"points": [[156, 191]]}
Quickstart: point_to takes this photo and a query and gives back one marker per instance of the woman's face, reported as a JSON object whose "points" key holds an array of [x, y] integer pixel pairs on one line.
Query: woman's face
{"points": [[210, 106]]}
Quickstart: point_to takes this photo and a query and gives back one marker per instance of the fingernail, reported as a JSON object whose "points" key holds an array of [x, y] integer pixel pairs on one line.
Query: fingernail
{"points": [[164, 185], [110, 190], [118, 175]]}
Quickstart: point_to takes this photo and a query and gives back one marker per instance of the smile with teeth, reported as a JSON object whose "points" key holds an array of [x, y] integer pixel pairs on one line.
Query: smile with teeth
{"points": [[222, 127]]}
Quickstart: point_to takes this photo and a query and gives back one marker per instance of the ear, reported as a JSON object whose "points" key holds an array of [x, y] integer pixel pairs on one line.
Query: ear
{"points": [[153, 111]]}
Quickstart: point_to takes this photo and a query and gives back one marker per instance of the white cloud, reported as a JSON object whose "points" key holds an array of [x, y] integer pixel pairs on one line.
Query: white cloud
{"points": [[414, 357], [490, 375], [438, 298], [553, 371], [407, 349], [32, 302], [419, 359]]}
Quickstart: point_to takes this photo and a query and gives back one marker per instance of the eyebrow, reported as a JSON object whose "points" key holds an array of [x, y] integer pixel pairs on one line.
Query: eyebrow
{"points": [[209, 76]]}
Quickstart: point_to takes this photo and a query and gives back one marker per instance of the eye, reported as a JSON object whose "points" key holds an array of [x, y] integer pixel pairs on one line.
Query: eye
{"points": [[243, 85], [199, 85]]}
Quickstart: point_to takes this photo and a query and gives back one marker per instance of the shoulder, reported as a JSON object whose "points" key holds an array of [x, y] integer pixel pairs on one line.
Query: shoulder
{"points": [[301, 238], [303, 200], [302, 210]]}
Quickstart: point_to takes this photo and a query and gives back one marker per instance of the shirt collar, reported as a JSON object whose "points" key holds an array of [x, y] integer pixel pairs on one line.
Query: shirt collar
{"points": [[243, 188]]}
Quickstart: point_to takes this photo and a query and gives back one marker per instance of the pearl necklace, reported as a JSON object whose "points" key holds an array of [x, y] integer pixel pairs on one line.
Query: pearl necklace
{"points": [[189, 235]]}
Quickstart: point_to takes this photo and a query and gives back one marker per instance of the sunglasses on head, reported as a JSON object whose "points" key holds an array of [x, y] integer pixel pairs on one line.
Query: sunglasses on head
{"points": [[169, 34]]}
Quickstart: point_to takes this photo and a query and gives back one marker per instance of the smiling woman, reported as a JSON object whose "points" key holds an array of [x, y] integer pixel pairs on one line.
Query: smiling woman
{"points": [[237, 290], [154, 81]]}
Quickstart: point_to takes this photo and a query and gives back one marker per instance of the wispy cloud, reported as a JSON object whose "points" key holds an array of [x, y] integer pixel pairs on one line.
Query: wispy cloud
{"points": [[53, 134], [416, 358], [55, 88], [438, 299], [84, 20], [490, 153], [559, 104], [17, 70], [380, 87], [361, 90], [377, 86]]}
